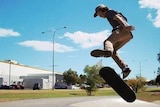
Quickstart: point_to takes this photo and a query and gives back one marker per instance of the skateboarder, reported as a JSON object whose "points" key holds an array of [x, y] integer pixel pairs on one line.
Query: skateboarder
{"points": [[121, 34]]}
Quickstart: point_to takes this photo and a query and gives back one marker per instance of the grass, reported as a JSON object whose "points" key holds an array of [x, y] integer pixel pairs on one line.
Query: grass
{"points": [[151, 94], [12, 95]]}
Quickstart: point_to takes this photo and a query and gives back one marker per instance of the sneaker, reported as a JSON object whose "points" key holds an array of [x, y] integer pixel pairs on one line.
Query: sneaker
{"points": [[101, 53], [107, 53], [126, 71]]}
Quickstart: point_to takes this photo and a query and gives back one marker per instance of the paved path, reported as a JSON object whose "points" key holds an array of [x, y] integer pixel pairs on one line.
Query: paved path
{"points": [[114, 102], [78, 102]]}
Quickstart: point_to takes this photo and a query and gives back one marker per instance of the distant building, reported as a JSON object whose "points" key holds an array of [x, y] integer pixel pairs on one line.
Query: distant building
{"points": [[12, 72]]}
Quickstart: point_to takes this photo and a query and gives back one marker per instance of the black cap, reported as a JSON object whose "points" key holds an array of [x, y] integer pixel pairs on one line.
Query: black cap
{"points": [[95, 14], [100, 6]]}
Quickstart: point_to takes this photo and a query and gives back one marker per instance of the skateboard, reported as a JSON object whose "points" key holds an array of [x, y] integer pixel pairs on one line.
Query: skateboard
{"points": [[111, 77], [100, 53]]}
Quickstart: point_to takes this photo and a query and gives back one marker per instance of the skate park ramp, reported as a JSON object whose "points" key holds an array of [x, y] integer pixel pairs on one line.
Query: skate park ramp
{"points": [[114, 102]]}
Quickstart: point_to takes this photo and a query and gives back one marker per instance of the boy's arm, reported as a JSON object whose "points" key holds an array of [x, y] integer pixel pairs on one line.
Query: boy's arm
{"points": [[123, 23]]}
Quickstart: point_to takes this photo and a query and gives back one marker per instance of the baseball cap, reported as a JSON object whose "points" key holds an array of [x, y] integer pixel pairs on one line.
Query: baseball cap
{"points": [[100, 6]]}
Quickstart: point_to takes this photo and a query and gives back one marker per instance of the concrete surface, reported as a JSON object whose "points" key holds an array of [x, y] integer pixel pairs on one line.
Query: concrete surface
{"points": [[114, 102], [111, 101], [157, 102]]}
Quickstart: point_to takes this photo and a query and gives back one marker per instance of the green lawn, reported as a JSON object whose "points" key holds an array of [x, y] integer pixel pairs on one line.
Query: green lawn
{"points": [[11, 95], [151, 94]]}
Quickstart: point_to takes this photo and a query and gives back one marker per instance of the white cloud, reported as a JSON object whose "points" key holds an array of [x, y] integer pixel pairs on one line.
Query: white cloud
{"points": [[120, 52], [84, 40], [87, 40], [152, 4], [149, 16], [63, 48], [8, 32], [46, 46]]}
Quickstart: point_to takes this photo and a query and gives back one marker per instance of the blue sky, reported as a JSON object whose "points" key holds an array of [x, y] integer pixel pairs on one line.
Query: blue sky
{"points": [[22, 21]]}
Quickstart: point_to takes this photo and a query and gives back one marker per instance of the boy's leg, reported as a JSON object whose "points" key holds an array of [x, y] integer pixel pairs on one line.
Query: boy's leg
{"points": [[121, 64], [118, 60], [109, 43], [108, 47], [123, 41], [117, 46], [118, 39], [126, 36]]}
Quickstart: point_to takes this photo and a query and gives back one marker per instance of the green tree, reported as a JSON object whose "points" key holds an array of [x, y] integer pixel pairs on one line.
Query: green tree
{"points": [[137, 84], [92, 78], [82, 79], [158, 71], [158, 79], [158, 57], [141, 82], [70, 77], [158, 76]]}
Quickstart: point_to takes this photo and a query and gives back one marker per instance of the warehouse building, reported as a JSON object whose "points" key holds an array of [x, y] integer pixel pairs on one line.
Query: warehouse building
{"points": [[11, 72]]}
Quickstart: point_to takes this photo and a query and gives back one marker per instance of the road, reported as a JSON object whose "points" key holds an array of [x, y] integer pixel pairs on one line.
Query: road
{"points": [[78, 102]]}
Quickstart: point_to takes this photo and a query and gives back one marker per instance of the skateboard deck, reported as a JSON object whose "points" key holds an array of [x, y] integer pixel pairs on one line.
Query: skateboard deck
{"points": [[111, 77], [100, 53]]}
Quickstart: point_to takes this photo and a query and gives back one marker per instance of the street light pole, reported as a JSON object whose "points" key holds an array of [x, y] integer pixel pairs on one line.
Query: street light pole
{"points": [[53, 73], [10, 69], [140, 64], [9, 72]]}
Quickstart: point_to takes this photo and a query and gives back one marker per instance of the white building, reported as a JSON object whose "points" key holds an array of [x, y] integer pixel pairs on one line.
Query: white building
{"points": [[11, 71]]}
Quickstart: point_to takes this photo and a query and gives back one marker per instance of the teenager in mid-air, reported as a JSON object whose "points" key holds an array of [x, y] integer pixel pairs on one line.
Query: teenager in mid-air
{"points": [[121, 34]]}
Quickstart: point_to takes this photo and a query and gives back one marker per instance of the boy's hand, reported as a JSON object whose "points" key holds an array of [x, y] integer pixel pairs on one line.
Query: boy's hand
{"points": [[129, 28]]}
